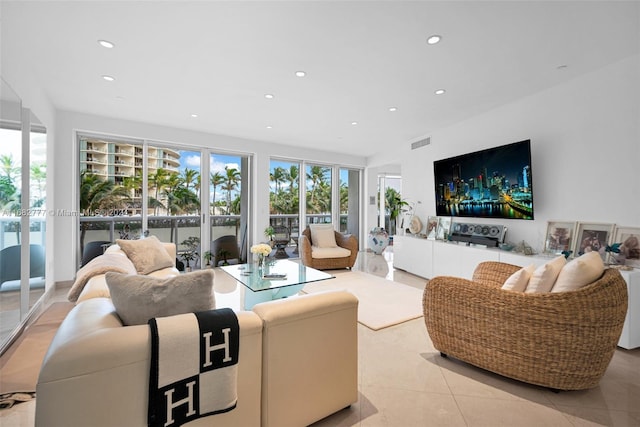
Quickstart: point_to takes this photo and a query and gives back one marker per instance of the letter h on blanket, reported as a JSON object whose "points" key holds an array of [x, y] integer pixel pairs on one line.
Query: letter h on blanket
{"points": [[194, 367]]}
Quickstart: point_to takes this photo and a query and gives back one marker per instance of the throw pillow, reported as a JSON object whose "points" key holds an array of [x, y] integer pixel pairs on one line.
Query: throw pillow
{"points": [[519, 280], [323, 236], [579, 272], [545, 276], [139, 298], [146, 254]]}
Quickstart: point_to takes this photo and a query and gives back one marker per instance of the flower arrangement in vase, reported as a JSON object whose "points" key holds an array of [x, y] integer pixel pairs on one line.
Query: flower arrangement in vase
{"points": [[262, 250]]}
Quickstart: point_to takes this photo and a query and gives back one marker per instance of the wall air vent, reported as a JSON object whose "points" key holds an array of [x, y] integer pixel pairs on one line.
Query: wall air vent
{"points": [[421, 143]]}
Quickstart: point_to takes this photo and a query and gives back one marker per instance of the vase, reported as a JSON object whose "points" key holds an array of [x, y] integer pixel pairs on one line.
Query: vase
{"points": [[378, 239]]}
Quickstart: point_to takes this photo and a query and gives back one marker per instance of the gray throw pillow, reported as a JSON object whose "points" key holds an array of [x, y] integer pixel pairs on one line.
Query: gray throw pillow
{"points": [[146, 254], [140, 298]]}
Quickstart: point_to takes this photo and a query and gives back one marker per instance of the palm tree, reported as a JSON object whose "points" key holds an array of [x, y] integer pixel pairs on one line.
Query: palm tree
{"points": [[39, 175], [293, 176], [216, 180], [231, 180], [8, 192], [8, 166], [97, 194], [157, 182], [278, 176], [316, 175], [190, 177]]}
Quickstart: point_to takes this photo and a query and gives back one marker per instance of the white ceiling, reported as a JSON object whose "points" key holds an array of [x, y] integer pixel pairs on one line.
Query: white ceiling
{"points": [[218, 59]]}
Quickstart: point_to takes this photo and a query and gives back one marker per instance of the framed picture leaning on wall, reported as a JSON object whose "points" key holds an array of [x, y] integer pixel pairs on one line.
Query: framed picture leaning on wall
{"points": [[559, 237], [432, 227], [592, 237], [444, 227], [629, 239]]}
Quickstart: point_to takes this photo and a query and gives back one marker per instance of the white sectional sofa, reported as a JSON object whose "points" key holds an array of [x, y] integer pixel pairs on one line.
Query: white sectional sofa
{"points": [[297, 364]]}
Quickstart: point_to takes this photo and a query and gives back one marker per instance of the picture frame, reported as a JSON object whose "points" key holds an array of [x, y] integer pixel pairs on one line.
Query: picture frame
{"points": [[592, 237], [444, 228], [559, 237], [432, 227], [629, 237]]}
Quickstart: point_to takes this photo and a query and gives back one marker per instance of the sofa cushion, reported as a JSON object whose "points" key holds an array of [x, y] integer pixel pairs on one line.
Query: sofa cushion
{"points": [[545, 276], [139, 298], [336, 252], [579, 272], [146, 254], [519, 280], [323, 236]]}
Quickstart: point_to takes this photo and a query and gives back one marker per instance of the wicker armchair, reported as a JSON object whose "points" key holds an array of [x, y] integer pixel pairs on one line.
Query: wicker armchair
{"points": [[346, 241], [562, 340]]}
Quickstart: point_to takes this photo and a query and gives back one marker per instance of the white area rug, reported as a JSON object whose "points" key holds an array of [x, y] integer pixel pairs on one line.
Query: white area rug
{"points": [[383, 303]]}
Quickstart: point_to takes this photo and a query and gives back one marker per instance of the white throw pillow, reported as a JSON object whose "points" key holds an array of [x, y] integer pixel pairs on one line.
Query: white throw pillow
{"points": [[139, 298], [545, 276], [146, 254], [323, 236], [579, 272], [519, 280]]}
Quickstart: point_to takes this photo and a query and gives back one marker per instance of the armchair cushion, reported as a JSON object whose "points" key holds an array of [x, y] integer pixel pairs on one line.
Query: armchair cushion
{"points": [[579, 272], [323, 236], [323, 253], [518, 281], [139, 298], [545, 276], [146, 254]]}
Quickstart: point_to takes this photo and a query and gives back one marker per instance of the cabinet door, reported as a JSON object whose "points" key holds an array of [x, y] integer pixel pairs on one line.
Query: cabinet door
{"points": [[630, 337], [451, 259], [413, 255]]}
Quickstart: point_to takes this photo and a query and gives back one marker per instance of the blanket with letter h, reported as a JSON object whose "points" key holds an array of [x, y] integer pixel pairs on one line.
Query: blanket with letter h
{"points": [[194, 366]]}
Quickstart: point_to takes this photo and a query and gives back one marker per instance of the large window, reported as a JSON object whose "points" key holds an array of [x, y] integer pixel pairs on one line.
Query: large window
{"points": [[130, 189]]}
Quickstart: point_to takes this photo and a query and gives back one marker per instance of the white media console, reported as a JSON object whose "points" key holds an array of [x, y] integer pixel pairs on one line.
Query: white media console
{"points": [[430, 258]]}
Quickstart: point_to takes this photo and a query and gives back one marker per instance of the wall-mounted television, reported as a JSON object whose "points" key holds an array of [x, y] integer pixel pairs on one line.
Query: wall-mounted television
{"points": [[491, 183]]}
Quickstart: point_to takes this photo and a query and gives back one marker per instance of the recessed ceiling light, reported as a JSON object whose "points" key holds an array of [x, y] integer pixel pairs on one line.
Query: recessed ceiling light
{"points": [[269, 127], [106, 43], [354, 123], [194, 115], [108, 78], [300, 73], [268, 96], [439, 91], [393, 109], [434, 39]]}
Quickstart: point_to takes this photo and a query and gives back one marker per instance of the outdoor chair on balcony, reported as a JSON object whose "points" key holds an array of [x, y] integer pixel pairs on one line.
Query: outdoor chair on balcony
{"points": [[281, 239], [10, 267], [225, 248], [93, 249]]}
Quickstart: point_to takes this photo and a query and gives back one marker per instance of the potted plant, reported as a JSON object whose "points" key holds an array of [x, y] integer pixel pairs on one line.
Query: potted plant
{"points": [[269, 232], [190, 253], [207, 257]]}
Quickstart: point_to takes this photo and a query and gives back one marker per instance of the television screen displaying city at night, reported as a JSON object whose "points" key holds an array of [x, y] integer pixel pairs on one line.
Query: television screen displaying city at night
{"points": [[492, 183]]}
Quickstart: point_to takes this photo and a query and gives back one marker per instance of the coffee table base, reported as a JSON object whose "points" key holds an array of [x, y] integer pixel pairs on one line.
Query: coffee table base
{"points": [[252, 298]]}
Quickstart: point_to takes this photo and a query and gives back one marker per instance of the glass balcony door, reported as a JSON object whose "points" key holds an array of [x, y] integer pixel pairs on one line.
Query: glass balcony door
{"points": [[134, 188], [23, 213]]}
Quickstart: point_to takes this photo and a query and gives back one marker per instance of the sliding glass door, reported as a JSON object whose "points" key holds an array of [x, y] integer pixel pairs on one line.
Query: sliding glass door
{"points": [[321, 194], [23, 213], [133, 188]]}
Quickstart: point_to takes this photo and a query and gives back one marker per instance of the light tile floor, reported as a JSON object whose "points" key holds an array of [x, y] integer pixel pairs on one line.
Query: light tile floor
{"points": [[404, 382]]}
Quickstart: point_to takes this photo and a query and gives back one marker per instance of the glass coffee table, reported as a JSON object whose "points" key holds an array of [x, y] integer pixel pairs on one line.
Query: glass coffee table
{"points": [[279, 279]]}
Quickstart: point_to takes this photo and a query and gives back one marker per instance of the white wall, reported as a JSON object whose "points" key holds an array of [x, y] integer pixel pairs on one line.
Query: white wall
{"points": [[585, 151], [66, 178]]}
